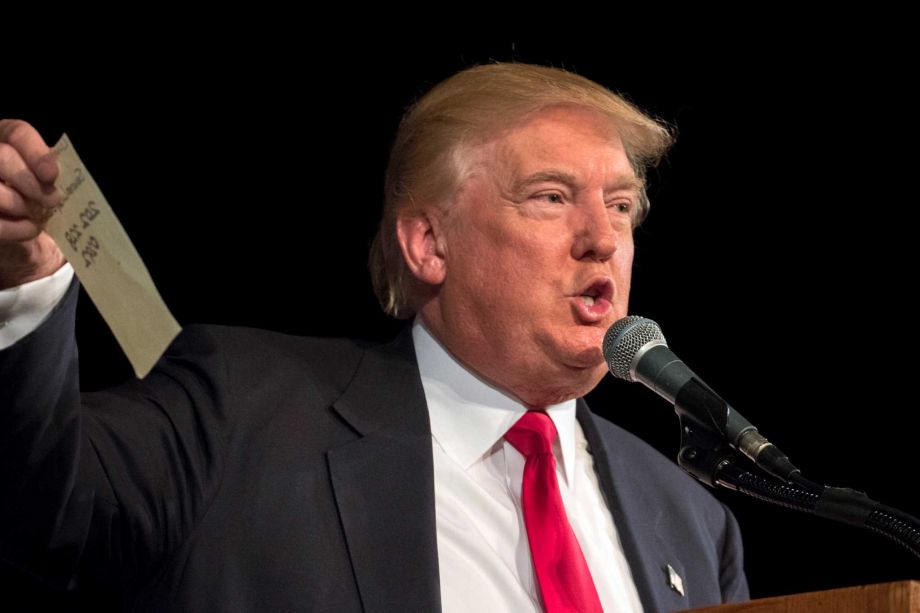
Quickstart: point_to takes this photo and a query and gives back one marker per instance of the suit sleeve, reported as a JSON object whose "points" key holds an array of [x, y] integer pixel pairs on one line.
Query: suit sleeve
{"points": [[97, 490], [732, 580], [23, 308]]}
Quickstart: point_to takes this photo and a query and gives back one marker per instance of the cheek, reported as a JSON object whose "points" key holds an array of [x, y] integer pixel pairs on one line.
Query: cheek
{"points": [[623, 260], [482, 272], [622, 275], [516, 256]]}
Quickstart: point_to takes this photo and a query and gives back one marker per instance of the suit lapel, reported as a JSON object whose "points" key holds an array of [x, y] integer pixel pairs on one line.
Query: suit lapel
{"points": [[636, 517], [384, 482], [384, 491]]}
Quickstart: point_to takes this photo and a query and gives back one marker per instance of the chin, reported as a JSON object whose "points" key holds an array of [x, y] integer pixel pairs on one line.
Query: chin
{"points": [[571, 365], [564, 383], [583, 348], [565, 390]]}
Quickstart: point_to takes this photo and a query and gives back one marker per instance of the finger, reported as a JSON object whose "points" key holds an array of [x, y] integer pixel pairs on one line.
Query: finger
{"points": [[31, 146], [18, 230], [12, 204], [19, 212], [15, 173]]}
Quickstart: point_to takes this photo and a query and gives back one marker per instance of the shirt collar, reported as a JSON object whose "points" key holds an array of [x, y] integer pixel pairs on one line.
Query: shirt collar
{"points": [[468, 415]]}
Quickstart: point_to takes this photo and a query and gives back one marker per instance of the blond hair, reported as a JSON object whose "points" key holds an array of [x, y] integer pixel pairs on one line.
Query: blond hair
{"points": [[427, 158]]}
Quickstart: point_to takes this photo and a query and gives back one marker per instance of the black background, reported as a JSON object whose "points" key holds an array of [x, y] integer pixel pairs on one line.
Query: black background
{"points": [[777, 256]]}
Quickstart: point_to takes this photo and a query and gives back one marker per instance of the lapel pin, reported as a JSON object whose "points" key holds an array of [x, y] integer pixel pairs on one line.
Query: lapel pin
{"points": [[674, 580]]}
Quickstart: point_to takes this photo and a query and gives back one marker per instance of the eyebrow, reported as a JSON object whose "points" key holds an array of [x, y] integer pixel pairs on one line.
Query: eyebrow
{"points": [[560, 176]]}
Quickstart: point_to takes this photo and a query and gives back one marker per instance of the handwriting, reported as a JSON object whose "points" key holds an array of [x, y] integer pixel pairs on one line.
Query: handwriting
{"points": [[71, 187], [63, 145], [89, 213], [73, 236], [90, 252], [90, 247]]}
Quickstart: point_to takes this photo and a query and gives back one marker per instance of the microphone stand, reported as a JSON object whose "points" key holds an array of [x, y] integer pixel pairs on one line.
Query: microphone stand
{"points": [[705, 455]]}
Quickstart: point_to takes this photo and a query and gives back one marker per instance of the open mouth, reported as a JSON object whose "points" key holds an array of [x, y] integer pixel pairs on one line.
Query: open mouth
{"points": [[594, 302], [599, 289]]}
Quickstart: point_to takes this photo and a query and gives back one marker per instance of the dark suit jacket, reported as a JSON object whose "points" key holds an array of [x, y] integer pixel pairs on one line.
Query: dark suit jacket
{"points": [[254, 471]]}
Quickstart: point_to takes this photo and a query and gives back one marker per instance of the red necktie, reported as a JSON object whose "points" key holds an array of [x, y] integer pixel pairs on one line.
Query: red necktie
{"points": [[563, 575]]}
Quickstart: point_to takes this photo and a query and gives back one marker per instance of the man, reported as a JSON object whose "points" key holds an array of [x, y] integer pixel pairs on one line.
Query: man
{"points": [[256, 471]]}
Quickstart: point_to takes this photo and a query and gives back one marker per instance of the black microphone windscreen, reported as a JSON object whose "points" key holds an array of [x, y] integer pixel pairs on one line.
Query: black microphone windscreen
{"points": [[623, 341]]}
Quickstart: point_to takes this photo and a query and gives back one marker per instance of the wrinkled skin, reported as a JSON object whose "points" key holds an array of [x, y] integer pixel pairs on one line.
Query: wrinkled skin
{"points": [[27, 196], [545, 211]]}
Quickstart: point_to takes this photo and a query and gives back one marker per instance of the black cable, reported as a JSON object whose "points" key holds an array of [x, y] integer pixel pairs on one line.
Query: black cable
{"points": [[895, 525], [767, 489], [841, 504]]}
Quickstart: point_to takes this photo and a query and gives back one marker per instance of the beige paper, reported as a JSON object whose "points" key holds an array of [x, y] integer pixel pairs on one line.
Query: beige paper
{"points": [[108, 265]]}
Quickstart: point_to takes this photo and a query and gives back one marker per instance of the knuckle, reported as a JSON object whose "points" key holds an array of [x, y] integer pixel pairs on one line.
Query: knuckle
{"points": [[17, 129], [13, 232], [6, 153], [12, 129], [11, 201]]}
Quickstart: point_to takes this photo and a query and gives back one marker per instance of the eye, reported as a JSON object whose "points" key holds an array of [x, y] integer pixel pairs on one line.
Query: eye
{"points": [[551, 197], [620, 207]]}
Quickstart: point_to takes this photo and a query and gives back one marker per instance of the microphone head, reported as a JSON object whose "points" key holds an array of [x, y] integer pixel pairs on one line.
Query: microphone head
{"points": [[625, 339]]}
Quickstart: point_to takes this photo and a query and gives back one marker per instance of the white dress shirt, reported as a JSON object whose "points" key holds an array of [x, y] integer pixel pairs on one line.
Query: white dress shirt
{"points": [[483, 552], [23, 308]]}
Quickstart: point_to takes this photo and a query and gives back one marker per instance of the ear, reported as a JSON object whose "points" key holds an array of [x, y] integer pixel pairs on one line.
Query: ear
{"points": [[422, 244]]}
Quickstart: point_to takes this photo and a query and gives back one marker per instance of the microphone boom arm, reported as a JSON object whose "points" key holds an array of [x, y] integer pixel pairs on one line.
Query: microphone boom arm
{"points": [[704, 457]]}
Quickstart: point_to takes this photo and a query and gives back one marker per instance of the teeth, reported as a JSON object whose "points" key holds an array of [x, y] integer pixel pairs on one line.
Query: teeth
{"points": [[588, 300]]}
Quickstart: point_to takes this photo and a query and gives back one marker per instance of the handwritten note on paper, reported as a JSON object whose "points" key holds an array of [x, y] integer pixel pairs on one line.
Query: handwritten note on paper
{"points": [[108, 265]]}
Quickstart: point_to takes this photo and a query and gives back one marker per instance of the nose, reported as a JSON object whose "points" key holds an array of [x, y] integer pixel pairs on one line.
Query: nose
{"points": [[595, 236]]}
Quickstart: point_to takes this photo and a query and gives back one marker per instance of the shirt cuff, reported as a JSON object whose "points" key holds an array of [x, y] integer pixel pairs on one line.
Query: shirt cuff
{"points": [[25, 307]]}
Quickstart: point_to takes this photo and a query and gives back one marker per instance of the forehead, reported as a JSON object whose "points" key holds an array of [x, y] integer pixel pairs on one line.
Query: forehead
{"points": [[580, 142]]}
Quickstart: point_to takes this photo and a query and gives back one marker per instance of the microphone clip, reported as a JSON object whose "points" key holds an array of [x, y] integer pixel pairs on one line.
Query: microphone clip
{"points": [[703, 452]]}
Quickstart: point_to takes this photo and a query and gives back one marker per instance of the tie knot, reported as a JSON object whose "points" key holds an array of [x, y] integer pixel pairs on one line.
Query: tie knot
{"points": [[533, 433]]}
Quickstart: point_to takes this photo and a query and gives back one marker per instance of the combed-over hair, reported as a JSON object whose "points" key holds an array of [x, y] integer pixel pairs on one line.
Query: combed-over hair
{"points": [[427, 158]]}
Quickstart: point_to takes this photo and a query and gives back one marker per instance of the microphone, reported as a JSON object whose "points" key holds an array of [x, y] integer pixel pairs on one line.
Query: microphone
{"points": [[636, 350]]}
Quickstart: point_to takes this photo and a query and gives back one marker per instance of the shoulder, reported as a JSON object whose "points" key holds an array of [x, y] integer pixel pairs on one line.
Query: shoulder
{"points": [[251, 355]]}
